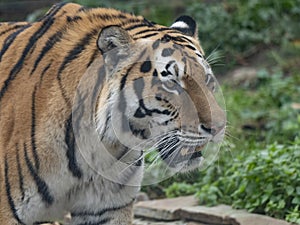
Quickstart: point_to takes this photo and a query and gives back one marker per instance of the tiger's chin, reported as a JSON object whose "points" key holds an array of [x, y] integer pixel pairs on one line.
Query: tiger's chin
{"points": [[187, 159]]}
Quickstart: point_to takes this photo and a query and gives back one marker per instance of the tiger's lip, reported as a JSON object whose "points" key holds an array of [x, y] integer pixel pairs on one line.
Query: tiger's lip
{"points": [[187, 154]]}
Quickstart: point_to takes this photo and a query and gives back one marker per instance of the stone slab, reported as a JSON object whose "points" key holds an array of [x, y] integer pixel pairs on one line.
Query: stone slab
{"points": [[245, 218], [223, 214], [213, 215], [151, 222], [165, 209]]}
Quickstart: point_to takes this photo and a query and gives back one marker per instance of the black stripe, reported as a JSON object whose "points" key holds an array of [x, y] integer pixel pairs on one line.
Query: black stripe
{"points": [[42, 222], [33, 124], [137, 131], [190, 47], [144, 31], [41, 185], [149, 23], [21, 178], [134, 26], [147, 36], [110, 16], [74, 53], [11, 28], [53, 40], [182, 39], [71, 154], [73, 19], [140, 160], [122, 100], [10, 39], [44, 72], [165, 29], [103, 221], [53, 10], [81, 9], [93, 57], [98, 84], [123, 81], [48, 46], [122, 153], [47, 23], [132, 21], [101, 212], [199, 55], [78, 110], [124, 78], [143, 111], [106, 124], [32, 41], [8, 193]]}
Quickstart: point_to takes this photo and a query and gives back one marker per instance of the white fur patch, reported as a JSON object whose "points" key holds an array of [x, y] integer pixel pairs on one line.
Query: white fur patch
{"points": [[180, 24]]}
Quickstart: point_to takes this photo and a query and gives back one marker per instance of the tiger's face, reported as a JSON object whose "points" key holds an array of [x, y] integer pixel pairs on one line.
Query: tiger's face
{"points": [[166, 98]]}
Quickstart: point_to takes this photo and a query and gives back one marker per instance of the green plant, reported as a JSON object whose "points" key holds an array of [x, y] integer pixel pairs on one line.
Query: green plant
{"points": [[180, 189], [242, 28]]}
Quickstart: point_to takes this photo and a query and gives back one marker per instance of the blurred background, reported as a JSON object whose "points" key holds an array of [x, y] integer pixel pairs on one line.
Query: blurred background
{"points": [[254, 49]]}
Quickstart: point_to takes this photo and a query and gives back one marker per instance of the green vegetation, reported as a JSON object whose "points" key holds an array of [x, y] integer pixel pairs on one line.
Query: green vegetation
{"points": [[242, 28]]}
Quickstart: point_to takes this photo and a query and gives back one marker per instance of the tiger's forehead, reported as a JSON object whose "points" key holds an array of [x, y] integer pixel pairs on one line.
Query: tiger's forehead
{"points": [[169, 46], [178, 41], [168, 49]]}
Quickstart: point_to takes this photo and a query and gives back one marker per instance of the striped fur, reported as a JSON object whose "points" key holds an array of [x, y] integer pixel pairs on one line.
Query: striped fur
{"points": [[43, 171]]}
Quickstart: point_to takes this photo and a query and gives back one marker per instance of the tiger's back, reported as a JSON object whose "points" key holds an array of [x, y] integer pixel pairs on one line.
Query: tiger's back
{"points": [[43, 172]]}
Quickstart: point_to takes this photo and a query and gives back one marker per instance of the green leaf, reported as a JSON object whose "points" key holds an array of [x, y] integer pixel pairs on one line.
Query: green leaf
{"points": [[296, 200], [298, 190], [290, 190]]}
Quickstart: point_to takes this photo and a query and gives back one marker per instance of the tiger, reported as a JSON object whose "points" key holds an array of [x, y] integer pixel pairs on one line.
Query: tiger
{"points": [[137, 83]]}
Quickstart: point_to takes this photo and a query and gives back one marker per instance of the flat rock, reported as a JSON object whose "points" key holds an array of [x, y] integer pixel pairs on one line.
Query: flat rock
{"points": [[213, 215], [151, 222], [245, 218], [223, 214], [165, 209]]}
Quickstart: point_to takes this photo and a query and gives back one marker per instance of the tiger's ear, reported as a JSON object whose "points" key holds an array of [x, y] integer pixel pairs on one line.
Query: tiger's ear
{"points": [[112, 37], [186, 25]]}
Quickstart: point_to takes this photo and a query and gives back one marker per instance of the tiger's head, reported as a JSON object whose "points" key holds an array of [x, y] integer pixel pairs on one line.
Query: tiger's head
{"points": [[161, 92]]}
